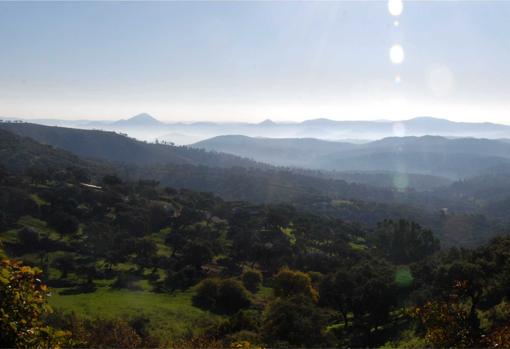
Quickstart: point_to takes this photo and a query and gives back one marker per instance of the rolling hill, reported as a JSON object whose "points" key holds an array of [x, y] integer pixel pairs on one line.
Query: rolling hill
{"points": [[429, 155], [116, 147]]}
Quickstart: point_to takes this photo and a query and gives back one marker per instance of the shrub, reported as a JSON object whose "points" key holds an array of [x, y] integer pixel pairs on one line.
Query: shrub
{"points": [[252, 280], [28, 238], [288, 283], [293, 321], [222, 296], [232, 296], [206, 293], [22, 307]]}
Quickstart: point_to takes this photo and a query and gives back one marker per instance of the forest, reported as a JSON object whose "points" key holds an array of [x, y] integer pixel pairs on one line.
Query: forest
{"points": [[92, 257]]}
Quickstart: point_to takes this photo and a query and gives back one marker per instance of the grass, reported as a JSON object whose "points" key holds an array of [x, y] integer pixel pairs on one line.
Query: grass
{"points": [[10, 236], [357, 246], [340, 203], [159, 239], [172, 316], [403, 276], [38, 200], [38, 225]]}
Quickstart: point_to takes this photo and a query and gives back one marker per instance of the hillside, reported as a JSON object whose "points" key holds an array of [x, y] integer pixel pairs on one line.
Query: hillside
{"points": [[116, 147], [159, 267], [428, 155], [21, 154], [309, 191]]}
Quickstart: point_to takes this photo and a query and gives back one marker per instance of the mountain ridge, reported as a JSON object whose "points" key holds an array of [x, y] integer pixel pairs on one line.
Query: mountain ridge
{"points": [[146, 127]]}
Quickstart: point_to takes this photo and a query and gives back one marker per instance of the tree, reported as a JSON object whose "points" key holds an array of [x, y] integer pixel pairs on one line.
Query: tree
{"points": [[176, 239], [63, 222], [336, 291], [296, 321], [252, 280], [145, 250], [28, 238], [403, 241], [111, 180], [222, 296], [65, 263], [232, 296], [446, 324], [206, 293], [197, 253], [288, 283], [22, 308]]}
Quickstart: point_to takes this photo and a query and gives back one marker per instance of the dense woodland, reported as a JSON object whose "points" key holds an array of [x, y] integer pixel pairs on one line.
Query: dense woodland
{"points": [[106, 254]]}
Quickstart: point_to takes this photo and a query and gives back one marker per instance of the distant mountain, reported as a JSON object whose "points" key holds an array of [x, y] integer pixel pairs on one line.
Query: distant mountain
{"points": [[147, 127], [140, 120], [430, 155]]}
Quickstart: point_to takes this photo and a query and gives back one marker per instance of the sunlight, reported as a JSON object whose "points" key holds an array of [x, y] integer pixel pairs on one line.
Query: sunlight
{"points": [[396, 54], [395, 7], [440, 81]]}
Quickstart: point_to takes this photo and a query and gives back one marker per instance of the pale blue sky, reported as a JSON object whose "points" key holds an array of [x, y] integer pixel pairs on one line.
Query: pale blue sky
{"points": [[254, 60]]}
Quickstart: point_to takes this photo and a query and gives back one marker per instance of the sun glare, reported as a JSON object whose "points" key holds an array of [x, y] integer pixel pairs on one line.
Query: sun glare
{"points": [[396, 54], [395, 7]]}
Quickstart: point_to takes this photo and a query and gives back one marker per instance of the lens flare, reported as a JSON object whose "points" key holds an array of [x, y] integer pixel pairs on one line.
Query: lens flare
{"points": [[395, 7], [396, 54]]}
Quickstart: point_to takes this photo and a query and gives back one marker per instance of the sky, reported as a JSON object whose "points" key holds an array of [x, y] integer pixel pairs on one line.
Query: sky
{"points": [[254, 60]]}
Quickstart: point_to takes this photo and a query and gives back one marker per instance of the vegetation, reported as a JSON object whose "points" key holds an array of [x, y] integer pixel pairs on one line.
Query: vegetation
{"points": [[132, 263]]}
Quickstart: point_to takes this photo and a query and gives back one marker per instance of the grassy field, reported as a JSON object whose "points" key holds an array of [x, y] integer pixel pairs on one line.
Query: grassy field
{"points": [[171, 316]]}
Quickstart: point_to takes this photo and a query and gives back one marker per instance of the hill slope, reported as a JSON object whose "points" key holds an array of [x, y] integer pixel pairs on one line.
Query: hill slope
{"points": [[120, 148], [454, 158]]}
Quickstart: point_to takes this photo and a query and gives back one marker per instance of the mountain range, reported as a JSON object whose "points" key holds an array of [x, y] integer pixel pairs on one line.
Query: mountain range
{"points": [[430, 155], [146, 127]]}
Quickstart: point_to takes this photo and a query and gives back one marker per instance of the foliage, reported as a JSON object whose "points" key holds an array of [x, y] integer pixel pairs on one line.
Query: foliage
{"points": [[252, 280], [446, 325], [294, 321], [289, 283], [404, 242], [224, 296], [22, 308]]}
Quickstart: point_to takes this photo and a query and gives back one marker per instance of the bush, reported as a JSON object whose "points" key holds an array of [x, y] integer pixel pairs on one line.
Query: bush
{"points": [[232, 296], [222, 296], [289, 283], [28, 238], [23, 307], [252, 280], [293, 321], [206, 293]]}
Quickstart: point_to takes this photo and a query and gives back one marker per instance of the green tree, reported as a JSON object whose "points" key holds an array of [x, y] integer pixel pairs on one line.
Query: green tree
{"points": [[289, 283], [295, 321], [65, 263], [222, 296], [336, 291], [252, 280]]}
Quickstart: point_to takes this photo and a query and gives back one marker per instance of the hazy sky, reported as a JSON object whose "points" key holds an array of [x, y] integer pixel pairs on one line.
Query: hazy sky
{"points": [[255, 60]]}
